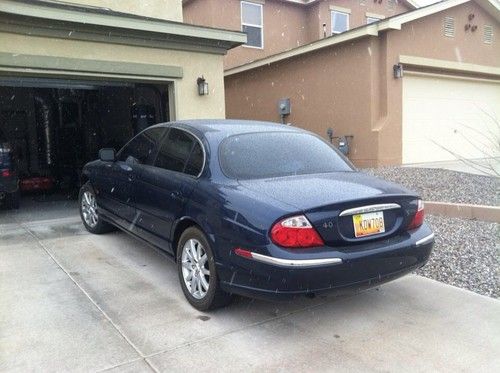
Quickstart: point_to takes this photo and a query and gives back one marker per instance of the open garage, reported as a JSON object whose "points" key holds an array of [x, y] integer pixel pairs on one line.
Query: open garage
{"points": [[53, 126], [76, 78]]}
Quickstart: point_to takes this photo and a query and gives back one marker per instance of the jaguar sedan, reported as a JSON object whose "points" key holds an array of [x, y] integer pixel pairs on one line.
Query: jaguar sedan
{"points": [[255, 209]]}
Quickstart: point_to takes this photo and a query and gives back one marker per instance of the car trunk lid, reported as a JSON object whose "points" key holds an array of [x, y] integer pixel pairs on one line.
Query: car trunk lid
{"points": [[332, 201]]}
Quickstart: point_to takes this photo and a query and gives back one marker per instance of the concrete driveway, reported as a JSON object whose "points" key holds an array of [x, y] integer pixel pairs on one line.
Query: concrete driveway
{"points": [[71, 301]]}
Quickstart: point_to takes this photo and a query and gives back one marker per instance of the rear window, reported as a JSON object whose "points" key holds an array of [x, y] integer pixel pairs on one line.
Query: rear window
{"points": [[276, 154]]}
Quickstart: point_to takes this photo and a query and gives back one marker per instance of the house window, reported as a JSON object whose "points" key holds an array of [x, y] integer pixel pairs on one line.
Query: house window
{"points": [[449, 26], [340, 22], [252, 25], [371, 20]]}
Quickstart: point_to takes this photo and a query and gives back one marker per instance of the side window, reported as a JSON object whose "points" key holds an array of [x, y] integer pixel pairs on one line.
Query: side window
{"points": [[142, 148], [340, 22], [180, 152], [251, 24], [195, 162]]}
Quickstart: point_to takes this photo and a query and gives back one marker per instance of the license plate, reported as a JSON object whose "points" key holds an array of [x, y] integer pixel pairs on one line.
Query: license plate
{"points": [[368, 224]]}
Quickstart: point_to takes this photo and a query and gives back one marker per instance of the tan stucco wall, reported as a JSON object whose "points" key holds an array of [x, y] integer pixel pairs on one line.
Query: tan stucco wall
{"points": [[327, 89], [286, 25], [358, 11], [163, 9], [351, 88], [188, 104], [424, 38]]}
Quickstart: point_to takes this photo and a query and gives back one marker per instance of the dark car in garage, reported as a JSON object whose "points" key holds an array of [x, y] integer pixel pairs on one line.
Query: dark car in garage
{"points": [[256, 209], [9, 180]]}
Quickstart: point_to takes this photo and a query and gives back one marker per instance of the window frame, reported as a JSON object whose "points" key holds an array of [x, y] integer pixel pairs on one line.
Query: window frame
{"points": [[196, 138], [375, 19], [332, 12], [261, 26]]}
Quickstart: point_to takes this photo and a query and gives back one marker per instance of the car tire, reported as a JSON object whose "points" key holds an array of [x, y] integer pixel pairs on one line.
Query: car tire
{"points": [[12, 200], [89, 213], [191, 249]]}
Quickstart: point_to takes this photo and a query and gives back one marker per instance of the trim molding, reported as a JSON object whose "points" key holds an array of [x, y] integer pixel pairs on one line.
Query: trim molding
{"points": [[453, 76], [369, 30], [449, 65], [374, 15], [340, 9], [82, 67]]}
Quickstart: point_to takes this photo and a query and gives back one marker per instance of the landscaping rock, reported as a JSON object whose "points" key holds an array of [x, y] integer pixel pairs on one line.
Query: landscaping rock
{"points": [[443, 185]]}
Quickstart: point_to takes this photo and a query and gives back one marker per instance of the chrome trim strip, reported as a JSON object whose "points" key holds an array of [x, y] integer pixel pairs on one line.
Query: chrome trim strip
{"points": [[291, 263], [370, 208], [425, 240]]}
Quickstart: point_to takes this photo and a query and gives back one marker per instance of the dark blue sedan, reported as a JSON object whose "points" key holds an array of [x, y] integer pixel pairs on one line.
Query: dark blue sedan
{"points": [[257, 209]]}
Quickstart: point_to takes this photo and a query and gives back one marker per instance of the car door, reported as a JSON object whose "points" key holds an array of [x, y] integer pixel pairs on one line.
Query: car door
{"points": [[120, 190], [166, 187]]}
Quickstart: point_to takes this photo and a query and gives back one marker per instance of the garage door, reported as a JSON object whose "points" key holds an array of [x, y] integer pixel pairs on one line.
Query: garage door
{"points": [[449, 118]]}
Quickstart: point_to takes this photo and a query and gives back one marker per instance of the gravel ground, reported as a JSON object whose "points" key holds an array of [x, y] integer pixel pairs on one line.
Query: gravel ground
{"points": [[466, 255], [443, 185]]}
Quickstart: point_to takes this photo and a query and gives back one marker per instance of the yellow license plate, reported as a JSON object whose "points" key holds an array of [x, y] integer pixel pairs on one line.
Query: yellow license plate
{"points": [[368, 224]]}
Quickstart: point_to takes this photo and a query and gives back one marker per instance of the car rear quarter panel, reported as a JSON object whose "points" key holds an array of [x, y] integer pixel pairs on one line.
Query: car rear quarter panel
{"points": [[232, 216]]}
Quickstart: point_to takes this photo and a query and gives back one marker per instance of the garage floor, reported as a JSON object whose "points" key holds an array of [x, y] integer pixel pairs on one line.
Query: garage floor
{"points": [[71, 301]]}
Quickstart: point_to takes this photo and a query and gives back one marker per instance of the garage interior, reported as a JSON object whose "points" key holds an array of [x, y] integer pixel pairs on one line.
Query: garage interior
{"points": [[53, 127]]}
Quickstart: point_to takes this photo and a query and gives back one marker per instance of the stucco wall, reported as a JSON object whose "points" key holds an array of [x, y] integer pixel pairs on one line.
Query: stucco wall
{"points": [[351, 88], [358, 9], [327, 89], [188, 104], [286, 25], [424, 38], [164, 9]]}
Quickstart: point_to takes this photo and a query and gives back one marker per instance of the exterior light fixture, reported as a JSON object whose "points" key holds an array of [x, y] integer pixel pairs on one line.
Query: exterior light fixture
{"points": [[202, 86], [398, 71]]}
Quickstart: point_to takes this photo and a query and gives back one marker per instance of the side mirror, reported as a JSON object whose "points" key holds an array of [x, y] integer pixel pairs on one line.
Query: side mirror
{"points": [[107, 155]]}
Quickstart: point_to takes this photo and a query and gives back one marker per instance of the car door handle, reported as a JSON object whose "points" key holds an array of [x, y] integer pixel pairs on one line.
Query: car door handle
{"points": [[177, 195], [126, 168]]}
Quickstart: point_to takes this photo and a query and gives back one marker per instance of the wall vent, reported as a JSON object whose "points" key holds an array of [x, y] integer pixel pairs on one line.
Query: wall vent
{"points": [[488, 34], [449, 26]]}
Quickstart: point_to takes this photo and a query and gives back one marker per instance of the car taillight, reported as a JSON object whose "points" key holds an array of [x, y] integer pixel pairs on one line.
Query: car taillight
{"points": [[6, 172], [418, 218], [295, 232]]}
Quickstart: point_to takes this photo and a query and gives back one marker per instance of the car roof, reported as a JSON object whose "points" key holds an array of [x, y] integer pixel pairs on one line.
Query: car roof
{"points": [[229, 127]]}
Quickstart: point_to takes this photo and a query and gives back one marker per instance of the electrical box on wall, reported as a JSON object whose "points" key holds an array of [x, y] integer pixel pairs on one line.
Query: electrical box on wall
{"points": [[284, 106]]}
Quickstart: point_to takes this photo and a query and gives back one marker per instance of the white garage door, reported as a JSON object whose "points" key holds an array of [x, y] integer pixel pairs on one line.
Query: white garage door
{"points": [[449, 118]]}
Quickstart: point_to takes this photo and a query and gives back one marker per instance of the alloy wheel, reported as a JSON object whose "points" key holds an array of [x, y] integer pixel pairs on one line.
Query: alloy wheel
{"points": [[89, 209], [195, 270]]}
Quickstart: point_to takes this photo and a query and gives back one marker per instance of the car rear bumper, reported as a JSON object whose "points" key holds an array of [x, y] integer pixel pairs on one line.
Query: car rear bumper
{"points": [[343, 271], [9, 185]]}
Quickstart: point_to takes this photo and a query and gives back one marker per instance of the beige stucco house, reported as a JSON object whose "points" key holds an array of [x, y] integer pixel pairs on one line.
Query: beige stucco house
{"points": [[414, 85], [82, 74]]}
